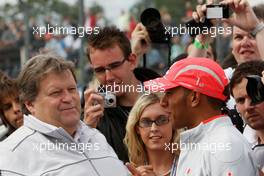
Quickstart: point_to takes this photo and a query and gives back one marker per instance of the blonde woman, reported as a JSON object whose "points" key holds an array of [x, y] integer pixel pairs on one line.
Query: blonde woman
{"points": [[149, 130]]}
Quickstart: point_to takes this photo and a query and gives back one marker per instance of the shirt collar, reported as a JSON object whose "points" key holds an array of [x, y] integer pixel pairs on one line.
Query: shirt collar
{"points": [[194, 135], [34, 123]]}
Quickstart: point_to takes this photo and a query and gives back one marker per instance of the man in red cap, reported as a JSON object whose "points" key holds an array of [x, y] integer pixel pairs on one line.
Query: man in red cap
{"points": [[195, 91]]}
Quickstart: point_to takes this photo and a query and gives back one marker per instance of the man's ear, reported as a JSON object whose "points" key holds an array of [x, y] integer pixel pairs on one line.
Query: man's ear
{"points": [[195, 98], [30, 106], [132, 59]]}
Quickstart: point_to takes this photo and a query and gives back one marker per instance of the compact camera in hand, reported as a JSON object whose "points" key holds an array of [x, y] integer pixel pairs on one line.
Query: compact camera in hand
{"points": [[213, 11], [109, 99], [217, 11]]}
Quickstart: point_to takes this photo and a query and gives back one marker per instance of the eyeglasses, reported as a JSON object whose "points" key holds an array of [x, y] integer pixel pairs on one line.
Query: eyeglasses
{"points": [[112, 66], [146, 123]]}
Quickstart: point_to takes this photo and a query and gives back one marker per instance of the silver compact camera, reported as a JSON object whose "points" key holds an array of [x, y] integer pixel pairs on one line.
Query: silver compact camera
{"points": [[109, 99], [217, 11]]}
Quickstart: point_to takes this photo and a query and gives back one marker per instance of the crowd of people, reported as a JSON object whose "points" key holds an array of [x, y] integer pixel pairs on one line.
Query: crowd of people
{"points": [[134, 121], [67, 45]]}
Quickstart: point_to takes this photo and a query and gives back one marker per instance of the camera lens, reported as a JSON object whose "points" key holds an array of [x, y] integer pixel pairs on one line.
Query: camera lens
{"points": [[111, 100], [255, 89], [149, 16], [151, 19]]}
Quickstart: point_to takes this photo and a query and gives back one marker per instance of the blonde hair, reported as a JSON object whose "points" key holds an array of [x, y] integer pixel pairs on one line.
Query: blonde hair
{"points": [[136, 148]]}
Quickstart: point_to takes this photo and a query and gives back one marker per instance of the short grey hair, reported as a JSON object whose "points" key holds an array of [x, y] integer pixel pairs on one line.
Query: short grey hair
{"points": [[34, 71]]}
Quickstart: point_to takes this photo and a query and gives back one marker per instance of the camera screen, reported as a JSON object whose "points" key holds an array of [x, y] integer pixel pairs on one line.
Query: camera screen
{"points": [[214, 12]]}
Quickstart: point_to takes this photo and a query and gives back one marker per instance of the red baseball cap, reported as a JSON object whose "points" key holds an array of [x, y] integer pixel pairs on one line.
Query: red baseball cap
{"points": [[200, 74]]}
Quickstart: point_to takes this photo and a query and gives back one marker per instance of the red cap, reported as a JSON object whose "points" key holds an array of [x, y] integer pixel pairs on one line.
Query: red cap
{"points": [[200, 74]]}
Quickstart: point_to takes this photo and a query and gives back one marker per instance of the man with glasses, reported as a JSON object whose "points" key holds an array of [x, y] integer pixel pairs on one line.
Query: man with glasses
{"points": [[109, 53]]}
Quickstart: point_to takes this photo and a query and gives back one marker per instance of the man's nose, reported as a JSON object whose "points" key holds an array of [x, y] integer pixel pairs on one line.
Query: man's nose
{"points": [[248, 104], [245, 42], [164, 101], [67, 97], [109, 75]]}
